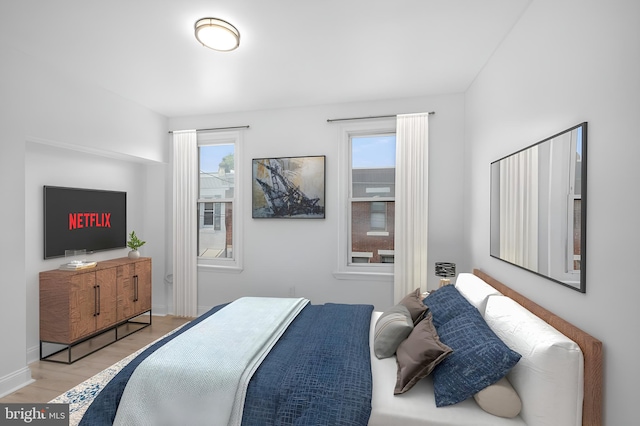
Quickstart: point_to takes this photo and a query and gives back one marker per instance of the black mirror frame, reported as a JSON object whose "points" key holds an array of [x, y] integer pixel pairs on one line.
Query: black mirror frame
{"points": [[583, 210]]}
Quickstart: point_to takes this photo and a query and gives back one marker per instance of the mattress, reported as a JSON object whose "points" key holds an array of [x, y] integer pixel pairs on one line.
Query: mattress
{"points": [[413, 408]]}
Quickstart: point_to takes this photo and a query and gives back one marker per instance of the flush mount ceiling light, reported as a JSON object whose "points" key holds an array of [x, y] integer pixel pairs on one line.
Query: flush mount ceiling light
{"points": [[217, 34]]}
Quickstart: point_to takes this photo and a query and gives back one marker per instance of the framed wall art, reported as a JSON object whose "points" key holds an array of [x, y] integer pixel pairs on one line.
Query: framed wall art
{"points": [[288, 187]]}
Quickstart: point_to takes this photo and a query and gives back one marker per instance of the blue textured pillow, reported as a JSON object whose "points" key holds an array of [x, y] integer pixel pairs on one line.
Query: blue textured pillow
{"points": [[479, 358], [445, 304]]}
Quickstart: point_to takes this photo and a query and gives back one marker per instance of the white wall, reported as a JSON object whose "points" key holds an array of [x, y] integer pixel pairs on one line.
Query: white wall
{"points": [[43, 107], [566, 62], [284, 257], [50, 165], [59, 130]]}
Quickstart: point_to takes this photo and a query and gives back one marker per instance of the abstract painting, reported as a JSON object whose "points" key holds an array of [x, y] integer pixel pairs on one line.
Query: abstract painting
{"points": [[288, 187]]}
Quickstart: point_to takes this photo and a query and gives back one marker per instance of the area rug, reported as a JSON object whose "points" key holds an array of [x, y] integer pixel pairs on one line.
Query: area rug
{"points": [[81, 396]]}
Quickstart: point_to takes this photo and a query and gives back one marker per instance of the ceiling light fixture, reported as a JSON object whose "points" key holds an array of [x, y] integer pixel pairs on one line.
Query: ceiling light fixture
{"points": [[217, 34]]}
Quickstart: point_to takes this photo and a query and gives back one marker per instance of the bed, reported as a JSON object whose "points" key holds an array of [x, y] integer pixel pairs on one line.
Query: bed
{"points": [[319, 366]]}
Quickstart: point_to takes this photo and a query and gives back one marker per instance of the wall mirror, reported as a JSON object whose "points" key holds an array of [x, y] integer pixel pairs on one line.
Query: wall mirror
{"points": [[538, 207]]}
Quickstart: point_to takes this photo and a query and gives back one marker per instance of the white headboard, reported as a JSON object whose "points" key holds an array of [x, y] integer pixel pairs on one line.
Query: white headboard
{"points": [[590, 346]]}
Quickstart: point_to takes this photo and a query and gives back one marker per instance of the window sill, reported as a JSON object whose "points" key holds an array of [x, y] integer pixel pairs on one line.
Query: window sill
{"points": [[371, 276], [378, 234], [218, 268]]}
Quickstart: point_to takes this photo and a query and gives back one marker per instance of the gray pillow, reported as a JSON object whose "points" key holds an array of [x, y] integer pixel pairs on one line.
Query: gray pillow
{"points": [[413, 302], [393, 326]]}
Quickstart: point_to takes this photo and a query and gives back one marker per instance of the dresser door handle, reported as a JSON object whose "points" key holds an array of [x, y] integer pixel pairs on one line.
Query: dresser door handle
{"points": [[98, 299], [95, 300], [135, 288]]}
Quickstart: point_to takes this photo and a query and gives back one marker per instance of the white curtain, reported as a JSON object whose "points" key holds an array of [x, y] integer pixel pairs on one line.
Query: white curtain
{"points": [[411, 199], [185, 233], [519, 208]]}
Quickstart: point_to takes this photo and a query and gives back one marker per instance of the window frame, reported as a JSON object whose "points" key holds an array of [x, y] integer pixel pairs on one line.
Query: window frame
{"points": [[235, 263], [345, 268]]}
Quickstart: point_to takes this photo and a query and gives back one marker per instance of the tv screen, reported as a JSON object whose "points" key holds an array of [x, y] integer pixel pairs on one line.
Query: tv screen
{"points": [[76, 219]]}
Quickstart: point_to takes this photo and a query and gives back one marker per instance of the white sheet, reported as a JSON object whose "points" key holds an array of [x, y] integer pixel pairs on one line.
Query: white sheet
{"points": [[204, 374], [417, 407]]}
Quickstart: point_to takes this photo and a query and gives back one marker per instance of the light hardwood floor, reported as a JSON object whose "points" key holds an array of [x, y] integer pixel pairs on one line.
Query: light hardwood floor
{"points": [[53, 379]]}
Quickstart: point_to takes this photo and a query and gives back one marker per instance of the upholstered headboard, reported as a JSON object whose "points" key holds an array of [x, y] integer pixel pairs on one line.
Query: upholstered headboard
{"points": [[590, 346]]}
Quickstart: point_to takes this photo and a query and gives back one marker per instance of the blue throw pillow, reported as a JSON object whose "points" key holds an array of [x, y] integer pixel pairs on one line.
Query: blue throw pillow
{"points": [[445, 304], [479, 358]]}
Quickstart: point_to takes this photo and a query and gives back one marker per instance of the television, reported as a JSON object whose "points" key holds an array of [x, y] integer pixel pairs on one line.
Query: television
{"points": [[83, 219]]}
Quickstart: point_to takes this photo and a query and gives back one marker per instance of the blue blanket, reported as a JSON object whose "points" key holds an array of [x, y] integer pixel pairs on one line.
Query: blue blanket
{"points": [[319, 373]]}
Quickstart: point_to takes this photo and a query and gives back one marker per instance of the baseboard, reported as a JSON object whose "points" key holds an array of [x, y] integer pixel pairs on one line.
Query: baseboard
{"points": [[33, 354], [160, 310], [14, 381]]}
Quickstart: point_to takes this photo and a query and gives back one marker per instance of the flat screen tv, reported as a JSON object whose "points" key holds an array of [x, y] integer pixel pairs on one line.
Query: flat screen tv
{"points": [[89, 219]]}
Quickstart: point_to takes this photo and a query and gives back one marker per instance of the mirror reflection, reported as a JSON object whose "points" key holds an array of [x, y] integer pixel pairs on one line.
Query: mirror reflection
{"points": [[538, 206]]}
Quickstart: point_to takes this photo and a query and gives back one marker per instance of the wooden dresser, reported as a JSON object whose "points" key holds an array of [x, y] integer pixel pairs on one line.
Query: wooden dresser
{"points": [[83, 311]]}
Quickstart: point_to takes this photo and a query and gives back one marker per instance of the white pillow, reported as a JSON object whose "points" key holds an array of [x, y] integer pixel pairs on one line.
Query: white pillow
{"points": [[475, 290], [549, 376]]}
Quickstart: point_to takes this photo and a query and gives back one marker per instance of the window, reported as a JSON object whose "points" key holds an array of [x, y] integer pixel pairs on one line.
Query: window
{"points": [[218, 199], [378, 216], [208, 214], [373, 174], [367, 200], [575, 203]]}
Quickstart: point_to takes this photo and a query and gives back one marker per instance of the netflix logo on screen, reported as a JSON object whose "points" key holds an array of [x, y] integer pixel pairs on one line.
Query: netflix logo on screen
{"points": [[89, 219]]}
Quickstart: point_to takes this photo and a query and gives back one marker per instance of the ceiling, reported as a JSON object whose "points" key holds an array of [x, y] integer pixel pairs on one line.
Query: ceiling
{"points": [[292, 52]]}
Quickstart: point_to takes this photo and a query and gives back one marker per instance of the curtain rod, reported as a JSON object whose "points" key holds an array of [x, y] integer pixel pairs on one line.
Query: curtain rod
{"points": [[217, 128], [331, 120]]}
